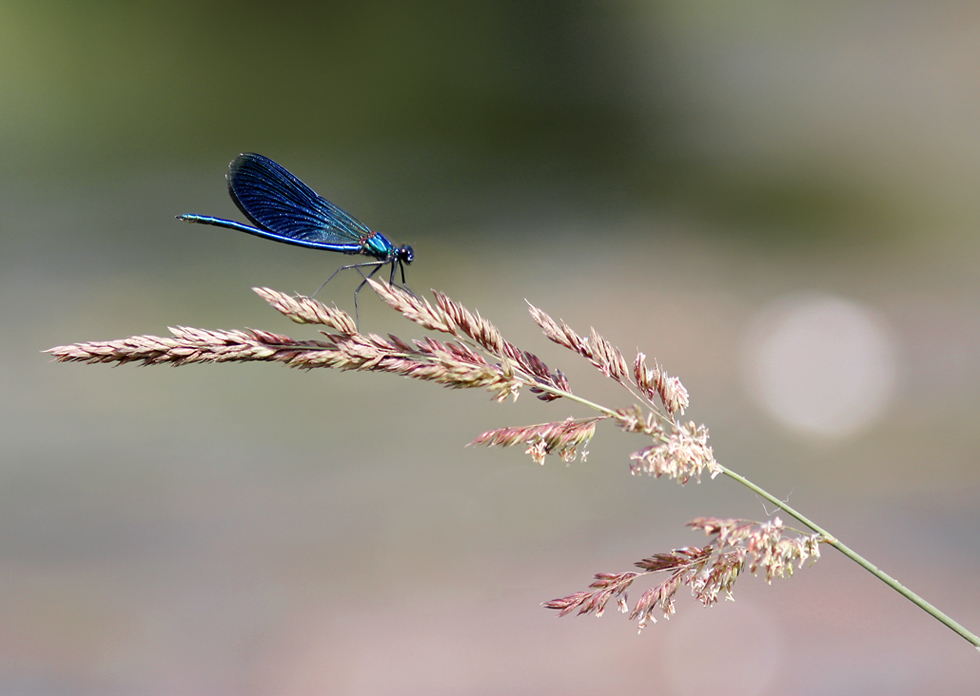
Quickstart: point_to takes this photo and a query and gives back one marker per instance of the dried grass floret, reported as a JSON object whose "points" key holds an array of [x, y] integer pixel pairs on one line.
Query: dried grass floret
{"points": [[682, 456], [596, 349], [564, 438], [634, 420], [188, 345], [448, 316], [306, 310], [606, 586], [672, 393], [709, 572], [450, 364]]}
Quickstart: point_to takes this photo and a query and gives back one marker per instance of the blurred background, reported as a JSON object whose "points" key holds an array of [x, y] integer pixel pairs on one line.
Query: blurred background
{"points": [[775, 200]]}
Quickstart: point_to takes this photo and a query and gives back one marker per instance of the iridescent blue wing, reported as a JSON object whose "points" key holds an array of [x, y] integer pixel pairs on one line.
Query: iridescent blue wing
{"points": [[282, 205]]}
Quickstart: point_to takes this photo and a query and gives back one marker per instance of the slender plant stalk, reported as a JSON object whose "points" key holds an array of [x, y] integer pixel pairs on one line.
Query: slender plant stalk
{"points": [[831, 540], [859, 559], [477, 356]]}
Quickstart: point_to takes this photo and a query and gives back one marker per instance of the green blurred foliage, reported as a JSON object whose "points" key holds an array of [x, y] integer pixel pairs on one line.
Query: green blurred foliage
{"points": [[97, 81], [767, 124]]}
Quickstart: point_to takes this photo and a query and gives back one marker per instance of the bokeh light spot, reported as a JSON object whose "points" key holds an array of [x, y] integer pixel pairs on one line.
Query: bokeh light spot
{"points": [[821, 365]]}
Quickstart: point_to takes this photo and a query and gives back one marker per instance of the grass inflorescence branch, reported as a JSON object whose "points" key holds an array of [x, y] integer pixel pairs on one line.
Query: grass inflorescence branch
{"points": [[476, 356], [709, 571]]}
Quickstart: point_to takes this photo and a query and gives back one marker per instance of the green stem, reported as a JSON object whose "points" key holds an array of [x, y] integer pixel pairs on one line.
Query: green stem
{"points": [[585, 402], [531, 382], [857, 558]]}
